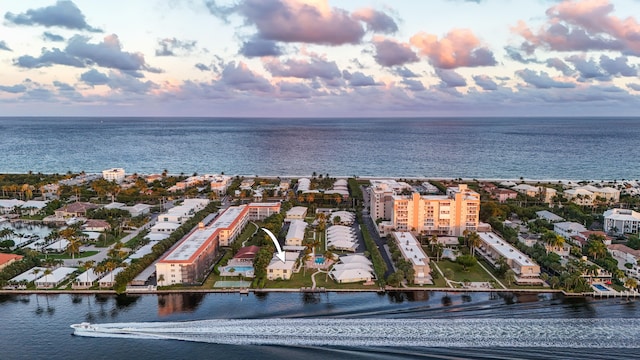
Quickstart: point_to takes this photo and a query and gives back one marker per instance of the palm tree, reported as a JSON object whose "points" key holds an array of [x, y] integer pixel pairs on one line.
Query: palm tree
{"points": [[595, 248], [553, 240], [631, 283], [74, 246], [474, 242], [434, 240], [88, 265], [510, 276], [306, 258]]}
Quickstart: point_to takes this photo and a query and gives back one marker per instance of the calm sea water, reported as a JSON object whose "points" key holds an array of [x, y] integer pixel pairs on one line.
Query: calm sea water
{"points": [[537, 148], [511, 327]]}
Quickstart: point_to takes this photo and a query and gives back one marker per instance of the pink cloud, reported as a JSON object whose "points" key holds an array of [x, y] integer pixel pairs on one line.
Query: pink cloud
{"points": [[459, 48], [580, 26]]}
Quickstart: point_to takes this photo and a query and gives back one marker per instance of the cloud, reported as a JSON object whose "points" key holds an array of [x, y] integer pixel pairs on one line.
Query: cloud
{"points": [[94, 77], [514, 54], [4, 46], [559, 65], [358, 79], [107, 54], [635, 87], [376, 21], [172, 46], [240, 77], [257, 47], [314, 68], [63, 86], [617, 66], [63, 14], [391, 53], [202, 67], [126, 83], [48, 58], [450, 78], [485, 82], [588, 69], [404, 72], [13, 89], [581, 26], [292, 90], [413, 85], [542, 80], [459, 48], [52, 37], [311, 22]]}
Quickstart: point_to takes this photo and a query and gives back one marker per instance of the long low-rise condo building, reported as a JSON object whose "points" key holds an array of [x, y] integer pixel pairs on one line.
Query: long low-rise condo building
{"points": [[412, 251], [493, 247]]}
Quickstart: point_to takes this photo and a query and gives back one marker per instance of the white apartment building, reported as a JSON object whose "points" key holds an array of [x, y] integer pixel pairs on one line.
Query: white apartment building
{"points": [[621, 221], [381, 195], [115, 175]]}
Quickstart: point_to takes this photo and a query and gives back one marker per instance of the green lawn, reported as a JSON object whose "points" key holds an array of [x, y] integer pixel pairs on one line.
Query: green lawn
{"points": [[474, 274], [297, 281], [67, 256], [246, 234]]}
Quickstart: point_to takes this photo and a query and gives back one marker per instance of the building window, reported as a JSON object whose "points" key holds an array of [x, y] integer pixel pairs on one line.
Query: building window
{"points": [[270, 270]]}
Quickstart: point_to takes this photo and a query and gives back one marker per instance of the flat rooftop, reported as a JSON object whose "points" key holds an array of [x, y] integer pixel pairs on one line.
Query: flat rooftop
{"points": [[505, 249], [193, 242], [411, 248]]}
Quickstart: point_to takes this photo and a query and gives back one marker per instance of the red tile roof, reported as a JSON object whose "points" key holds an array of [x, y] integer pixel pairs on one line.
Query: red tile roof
{"points": [[6, 258], [248, 252]]}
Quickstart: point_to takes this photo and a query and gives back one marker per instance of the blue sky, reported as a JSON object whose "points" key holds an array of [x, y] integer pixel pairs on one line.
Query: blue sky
{"points": [[320, 58]]}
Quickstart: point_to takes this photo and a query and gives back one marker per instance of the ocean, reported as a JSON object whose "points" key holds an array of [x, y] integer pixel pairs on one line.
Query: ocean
{"points": [[409, 325], [486, 148]]}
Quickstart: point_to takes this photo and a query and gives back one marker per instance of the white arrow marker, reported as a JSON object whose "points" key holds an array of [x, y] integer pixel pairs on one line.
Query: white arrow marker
{"points": [[280, 253]]}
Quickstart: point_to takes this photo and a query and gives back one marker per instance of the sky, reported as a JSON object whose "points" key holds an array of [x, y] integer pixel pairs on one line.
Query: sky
{"points": [[320, 58]]}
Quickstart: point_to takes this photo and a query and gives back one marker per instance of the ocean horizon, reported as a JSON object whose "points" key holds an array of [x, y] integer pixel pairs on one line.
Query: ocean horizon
{"points": [[535, 148]]}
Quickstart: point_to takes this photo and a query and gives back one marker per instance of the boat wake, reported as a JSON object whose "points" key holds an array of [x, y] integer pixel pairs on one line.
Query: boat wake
{"points": [[565, 333]]}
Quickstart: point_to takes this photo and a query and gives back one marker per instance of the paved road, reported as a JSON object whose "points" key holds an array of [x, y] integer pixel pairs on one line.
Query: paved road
{"points": [[371, 226]]}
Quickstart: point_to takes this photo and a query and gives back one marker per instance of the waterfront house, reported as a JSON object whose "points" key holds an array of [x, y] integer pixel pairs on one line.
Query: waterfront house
{"points": [[277, 269], [351, 269], [85, 280], [54, 279], [96, 225], [109, 279], [626, 255]]}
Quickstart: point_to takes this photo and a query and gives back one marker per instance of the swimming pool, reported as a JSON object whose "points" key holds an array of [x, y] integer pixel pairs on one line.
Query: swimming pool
{"points": [[237, 269], [319, 260], [600, 287]]}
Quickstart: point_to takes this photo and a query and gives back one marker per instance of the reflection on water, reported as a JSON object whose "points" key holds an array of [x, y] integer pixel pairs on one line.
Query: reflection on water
{"points": [[178, 303]]}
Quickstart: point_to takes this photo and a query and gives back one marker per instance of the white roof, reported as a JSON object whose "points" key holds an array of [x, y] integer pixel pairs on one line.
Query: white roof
{"points": [[165, 225], [507, 184], [505, 249], [9, 203], [548, 215], [353, 265], [296, 230], [56, 276], [111, 276], [92, 235], [355, 258], [37, 204], [140, 253], [304, 184], [114, 205], [622, 215], [87, 276], [297, 211], [570, 225], [578, 191], [156, 236], [351, 275], [343, 244], [525, 187], [58, 245], [29, 275], [340, 229], [410, 248], [289, 264], [345, 216]]}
